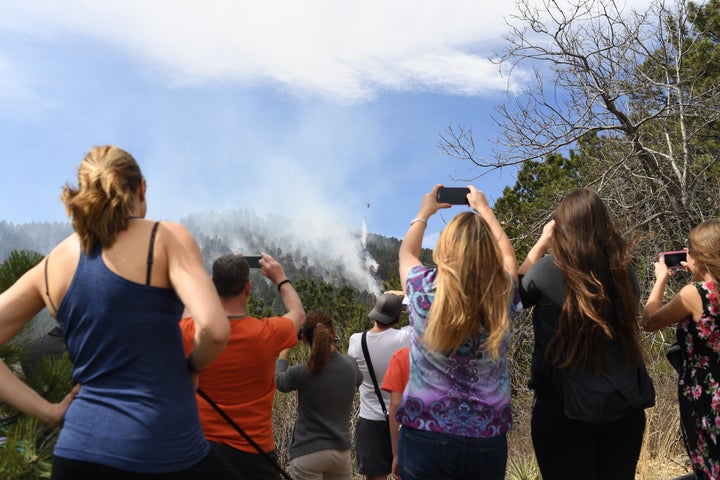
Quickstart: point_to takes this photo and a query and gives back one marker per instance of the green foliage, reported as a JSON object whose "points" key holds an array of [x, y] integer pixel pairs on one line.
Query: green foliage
{"points": [[51, 377], [385, 252], [27, 453], [347, 307], [17, 263], [526, 206]]}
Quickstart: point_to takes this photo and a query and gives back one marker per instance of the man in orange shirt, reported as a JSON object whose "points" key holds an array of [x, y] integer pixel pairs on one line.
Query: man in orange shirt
{"points": [[241, 380]]}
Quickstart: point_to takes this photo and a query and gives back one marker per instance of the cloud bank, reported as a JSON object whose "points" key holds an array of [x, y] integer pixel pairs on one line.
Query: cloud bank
{"points": [[347, 51]]}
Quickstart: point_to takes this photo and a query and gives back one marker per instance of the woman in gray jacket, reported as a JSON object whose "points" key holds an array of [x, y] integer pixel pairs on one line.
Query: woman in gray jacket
{"points": [[326, 386]]}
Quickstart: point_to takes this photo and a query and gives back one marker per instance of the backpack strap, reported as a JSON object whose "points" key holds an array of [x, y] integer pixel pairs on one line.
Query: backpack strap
{"points": [[371, 370]]}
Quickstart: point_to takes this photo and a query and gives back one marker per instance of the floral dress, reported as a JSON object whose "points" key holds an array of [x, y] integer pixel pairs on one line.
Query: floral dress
{"points": [[698, 388]]}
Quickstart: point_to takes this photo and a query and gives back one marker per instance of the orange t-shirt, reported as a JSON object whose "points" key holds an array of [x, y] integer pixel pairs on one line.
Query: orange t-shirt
{"points": [[398, 371], [241, 380]]}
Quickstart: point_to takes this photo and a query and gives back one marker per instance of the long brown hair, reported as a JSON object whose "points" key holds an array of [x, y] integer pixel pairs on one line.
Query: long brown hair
{"points": [[704, 244], [319, 333], [472, 289], [600, 306], [108, 179]]}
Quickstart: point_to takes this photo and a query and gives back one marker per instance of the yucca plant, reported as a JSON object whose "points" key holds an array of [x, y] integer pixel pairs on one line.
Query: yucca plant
{"points": [[523, 468]]}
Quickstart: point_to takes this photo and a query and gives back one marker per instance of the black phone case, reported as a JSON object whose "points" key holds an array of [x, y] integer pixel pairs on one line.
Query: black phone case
{"points": [[253, 261], [453, 195]]}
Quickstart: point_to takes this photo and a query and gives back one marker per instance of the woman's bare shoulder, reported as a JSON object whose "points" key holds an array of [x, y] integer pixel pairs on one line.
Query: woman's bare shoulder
{"points": [[68, 248]]}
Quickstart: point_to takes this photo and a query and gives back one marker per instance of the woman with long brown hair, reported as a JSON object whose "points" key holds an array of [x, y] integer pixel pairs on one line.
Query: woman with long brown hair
{"points": [[326, 386], [696, 311], [117, 287], [587, 370], [455, 411]]}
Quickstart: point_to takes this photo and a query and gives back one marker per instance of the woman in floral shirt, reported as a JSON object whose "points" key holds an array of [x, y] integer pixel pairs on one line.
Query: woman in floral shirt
{"points": [[455, 411], [696, 310]]}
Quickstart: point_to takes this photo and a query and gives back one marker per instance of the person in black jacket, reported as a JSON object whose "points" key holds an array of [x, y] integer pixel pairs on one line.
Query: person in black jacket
{"points": [[585, 296]]}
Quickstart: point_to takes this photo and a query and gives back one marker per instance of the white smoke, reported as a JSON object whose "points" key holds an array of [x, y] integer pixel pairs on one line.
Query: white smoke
{"points": [[334, 252]]}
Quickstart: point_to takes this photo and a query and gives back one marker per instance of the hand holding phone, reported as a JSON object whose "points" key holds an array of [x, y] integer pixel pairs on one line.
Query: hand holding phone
{"points": [[453, 195], [673, 259]]}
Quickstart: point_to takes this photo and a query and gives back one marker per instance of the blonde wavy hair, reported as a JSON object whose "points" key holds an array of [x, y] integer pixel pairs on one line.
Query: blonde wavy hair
{"points": [[704, 246], [108, 179], [472, 290]]}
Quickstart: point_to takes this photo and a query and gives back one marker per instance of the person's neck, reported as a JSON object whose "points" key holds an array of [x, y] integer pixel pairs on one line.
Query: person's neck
{"points": [[234, 308], [377, 328]]}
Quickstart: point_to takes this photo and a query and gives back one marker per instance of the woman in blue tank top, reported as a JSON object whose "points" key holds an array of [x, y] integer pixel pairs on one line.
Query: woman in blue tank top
{"points": [[118, 287]]}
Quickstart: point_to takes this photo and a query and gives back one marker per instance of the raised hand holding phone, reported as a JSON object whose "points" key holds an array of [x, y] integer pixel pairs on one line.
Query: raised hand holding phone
{"points": [[453, 195]]}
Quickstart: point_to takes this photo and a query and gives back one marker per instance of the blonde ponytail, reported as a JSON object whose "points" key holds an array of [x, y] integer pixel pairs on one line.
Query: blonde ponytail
{"points": [[108, 180]]}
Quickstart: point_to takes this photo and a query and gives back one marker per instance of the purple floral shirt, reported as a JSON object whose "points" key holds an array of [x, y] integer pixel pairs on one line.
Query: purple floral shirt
{"points": [[467, 394]]}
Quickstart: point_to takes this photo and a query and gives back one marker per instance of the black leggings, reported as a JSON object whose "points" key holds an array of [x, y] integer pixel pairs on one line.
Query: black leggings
{"points": [[566, 448], [210, 467]]}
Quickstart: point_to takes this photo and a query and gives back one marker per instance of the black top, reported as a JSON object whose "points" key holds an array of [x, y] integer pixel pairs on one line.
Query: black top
{"points": [[544, 288]]}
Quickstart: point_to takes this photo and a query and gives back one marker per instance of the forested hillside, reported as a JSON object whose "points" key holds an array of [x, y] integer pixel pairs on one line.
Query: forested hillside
{"points": [[322, 266]]}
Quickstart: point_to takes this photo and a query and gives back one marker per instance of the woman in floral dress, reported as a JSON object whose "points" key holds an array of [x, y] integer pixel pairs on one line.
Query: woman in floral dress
{"points": [[696, 310]]}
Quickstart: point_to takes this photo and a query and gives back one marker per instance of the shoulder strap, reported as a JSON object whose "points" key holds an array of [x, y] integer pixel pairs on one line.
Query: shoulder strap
{"points": [[151, 249], [371, 370], [47, 286]]}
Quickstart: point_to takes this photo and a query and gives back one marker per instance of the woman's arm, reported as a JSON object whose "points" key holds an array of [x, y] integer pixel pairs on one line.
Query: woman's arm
{"points": [[538, 250], [686, 303], [479, 203], [409, 254], [27, 400], [196, 290], [287, 379], [18, 305]]}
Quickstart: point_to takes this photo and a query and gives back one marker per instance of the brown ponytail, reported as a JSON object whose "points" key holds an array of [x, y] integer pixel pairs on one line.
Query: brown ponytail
{"points": [[108, 179], [318, 331]]}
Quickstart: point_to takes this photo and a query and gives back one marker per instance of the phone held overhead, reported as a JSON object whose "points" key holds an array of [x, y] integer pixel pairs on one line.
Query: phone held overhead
{"points": [[453, 195]]}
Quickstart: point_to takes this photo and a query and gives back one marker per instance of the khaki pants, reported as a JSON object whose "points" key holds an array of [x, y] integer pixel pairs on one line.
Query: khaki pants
{"points": [[322, 465]]}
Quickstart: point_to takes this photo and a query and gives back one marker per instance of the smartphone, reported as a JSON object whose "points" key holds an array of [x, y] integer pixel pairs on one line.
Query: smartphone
{"points": [[453, 195], [673, 259], [253, 260]]}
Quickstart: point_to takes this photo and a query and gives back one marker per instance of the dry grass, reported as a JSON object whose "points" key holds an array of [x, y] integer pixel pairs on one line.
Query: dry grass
{"points": [[663, 453]]}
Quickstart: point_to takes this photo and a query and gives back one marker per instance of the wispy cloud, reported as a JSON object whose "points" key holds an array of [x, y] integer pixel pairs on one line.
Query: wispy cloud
{"points": [[344, 50]]}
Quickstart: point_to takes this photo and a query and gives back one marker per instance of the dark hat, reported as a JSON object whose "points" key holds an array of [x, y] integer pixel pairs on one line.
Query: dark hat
{"points": [[387, 309]]}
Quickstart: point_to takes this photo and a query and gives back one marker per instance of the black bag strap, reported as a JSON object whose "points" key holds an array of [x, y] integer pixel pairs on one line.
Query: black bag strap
{"points": [[247, 437], [371, 370]]}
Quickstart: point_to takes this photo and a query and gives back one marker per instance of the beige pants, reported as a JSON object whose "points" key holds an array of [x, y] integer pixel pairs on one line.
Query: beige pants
{"points": [[323, 465]]}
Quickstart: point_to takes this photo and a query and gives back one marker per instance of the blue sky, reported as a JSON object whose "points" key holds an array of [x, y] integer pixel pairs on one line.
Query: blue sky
{"points": [[320, 110]]}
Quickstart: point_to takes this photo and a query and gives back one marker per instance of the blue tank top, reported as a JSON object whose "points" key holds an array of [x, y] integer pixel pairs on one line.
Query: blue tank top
{"points": [[136, 409]]}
